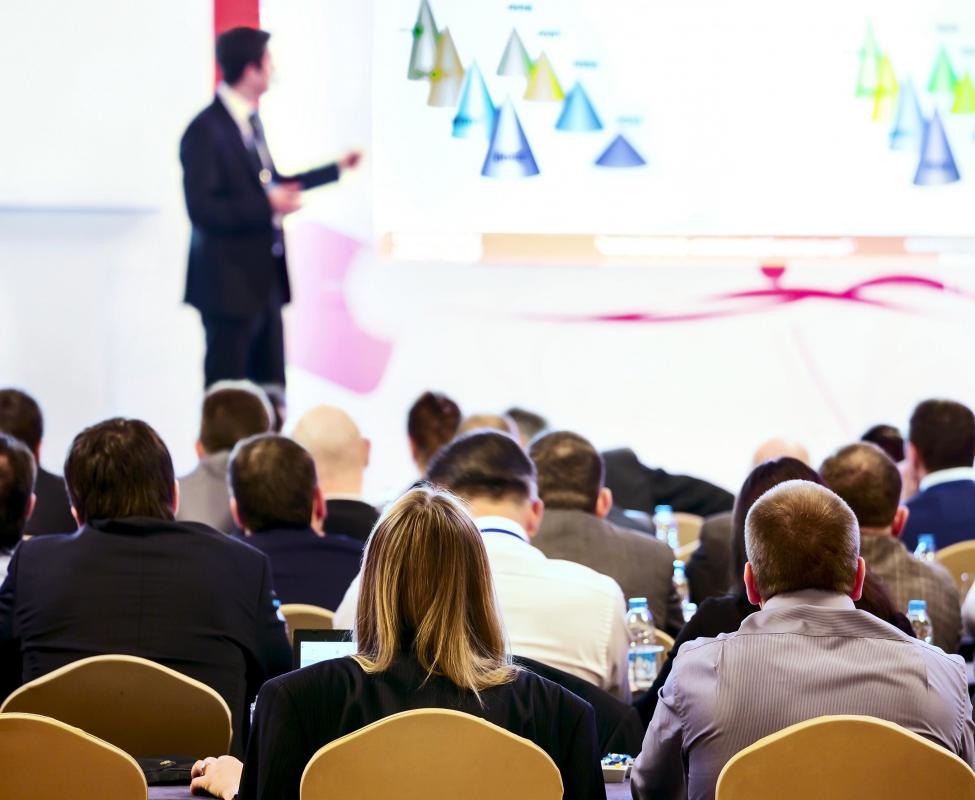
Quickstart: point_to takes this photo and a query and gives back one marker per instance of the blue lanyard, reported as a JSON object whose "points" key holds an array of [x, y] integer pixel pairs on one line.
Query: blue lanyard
{"points": [[506, 533]]}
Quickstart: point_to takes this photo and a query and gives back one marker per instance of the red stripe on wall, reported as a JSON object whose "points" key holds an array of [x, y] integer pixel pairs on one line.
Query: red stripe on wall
{"points": [[229, 14]]}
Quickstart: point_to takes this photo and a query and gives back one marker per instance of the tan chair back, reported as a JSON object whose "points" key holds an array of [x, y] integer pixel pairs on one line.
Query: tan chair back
{"points": [[959, 560], [44, 759], [688, 527], [142, 707], [665, 639], [845, 758], [432, 752], [301, 616]]}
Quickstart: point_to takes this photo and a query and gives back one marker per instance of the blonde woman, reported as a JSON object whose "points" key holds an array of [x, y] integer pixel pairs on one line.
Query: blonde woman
{"points": [[428, 636]]}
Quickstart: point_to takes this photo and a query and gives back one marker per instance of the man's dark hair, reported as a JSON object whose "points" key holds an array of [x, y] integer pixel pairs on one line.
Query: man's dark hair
{"points": [[120, 468], [867, 480], [230, 414], [529, 423], [17, 473], [570, 471], [239, 47], [484, 464], [432, 422], [943, 432], [888, 439], [273, 480], [20, 416]]}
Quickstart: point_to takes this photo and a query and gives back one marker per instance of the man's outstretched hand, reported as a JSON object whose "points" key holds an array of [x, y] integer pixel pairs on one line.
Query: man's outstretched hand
{"points": [[350, 160]]}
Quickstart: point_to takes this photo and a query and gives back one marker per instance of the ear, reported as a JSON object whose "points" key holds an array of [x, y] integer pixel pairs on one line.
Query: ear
{"points": [[534, 517], [318, 510], [604, 503], [200, 451], [900, 520], [77, 519], [750, 588], [175, 497], [30, 504], [366, 452], [857, 591], [235, 515]]}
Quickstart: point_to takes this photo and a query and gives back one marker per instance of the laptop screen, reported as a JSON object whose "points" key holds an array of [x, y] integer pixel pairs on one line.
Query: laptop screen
{"points": [[310, 647]]}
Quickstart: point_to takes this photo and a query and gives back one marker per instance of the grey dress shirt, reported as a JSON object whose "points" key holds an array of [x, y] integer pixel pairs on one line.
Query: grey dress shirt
{"points": [[804, 655], [203, 493]]}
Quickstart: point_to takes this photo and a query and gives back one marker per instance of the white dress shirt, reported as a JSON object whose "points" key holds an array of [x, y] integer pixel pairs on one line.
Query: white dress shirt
{"points": [[946, 476]]}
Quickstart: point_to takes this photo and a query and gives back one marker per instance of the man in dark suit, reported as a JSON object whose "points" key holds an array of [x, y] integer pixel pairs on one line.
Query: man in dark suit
{"points": [[236, 199], [276, 500], [574, 528], [20, 416], [136, 582], [941, 449]]}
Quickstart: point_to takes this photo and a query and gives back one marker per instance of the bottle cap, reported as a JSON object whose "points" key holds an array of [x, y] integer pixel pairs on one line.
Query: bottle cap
{"points": [[637, 602], [926, 538], [663, 509], [916, 605]]}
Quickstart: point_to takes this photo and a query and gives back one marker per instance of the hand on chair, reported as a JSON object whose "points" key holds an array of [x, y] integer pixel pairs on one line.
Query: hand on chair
{"points": [[218, 776]]}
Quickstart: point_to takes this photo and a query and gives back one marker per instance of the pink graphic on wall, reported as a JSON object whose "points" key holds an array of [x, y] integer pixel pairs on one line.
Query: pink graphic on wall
{"points": [[323, 335]]}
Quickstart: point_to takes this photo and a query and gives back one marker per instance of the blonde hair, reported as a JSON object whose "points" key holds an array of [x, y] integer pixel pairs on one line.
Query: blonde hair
{"points": [[426, 587]]}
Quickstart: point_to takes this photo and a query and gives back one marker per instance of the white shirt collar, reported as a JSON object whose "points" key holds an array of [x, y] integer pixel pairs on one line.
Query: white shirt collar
{"points": [[946, 476], [240, 107], [501, 526], [809, 597]]}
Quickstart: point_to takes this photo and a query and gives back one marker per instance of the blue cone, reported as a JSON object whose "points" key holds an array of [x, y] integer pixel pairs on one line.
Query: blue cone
{"points": [[937, 165], [578, 113], [508, 155], [620, 153], [475, 112], [909, 123]]}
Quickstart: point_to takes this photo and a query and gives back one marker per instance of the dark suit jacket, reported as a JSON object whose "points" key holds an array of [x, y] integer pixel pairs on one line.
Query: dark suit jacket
{"points": [[946, 509], [232, 270], [353, 518], [307, 568], [52, 513], [710, 569], [298, 713], [642, 565], [635, 485], [178, 593]]}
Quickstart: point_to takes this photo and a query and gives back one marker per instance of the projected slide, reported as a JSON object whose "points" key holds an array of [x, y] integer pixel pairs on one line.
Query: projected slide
{"points": [[667, 118]]}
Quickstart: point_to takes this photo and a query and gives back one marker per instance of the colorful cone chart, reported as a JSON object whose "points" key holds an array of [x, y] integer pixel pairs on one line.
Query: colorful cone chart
{"points": [[886, 94], [869, 62], [943, 78], [508, 155], [937, 165], [475, 112], [964, 96], [543, 86], [620, 153], [424, 52], [448, 73], [515, 60], [578, 113], [908, 128]]}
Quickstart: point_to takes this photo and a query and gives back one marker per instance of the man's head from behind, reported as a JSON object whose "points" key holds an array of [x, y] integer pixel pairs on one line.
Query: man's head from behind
{"points": [[340, 451], [942, 436], [273, 484], [869, 483], [800, 535], [570, 473], [232, 410], [17, 473], [120, 468], [431, 423], [244, 60], [20, 416]]}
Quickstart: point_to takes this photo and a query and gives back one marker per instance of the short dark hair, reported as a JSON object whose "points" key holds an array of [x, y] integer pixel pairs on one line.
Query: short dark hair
{"points": [[20, 416], [239, 47], [231, 413], [120, 468], [887, 438], [943, 432], [432, 422], [867, 480], [273, 480], [570, 471], [484, 464], [17, 474], [529, 423]]}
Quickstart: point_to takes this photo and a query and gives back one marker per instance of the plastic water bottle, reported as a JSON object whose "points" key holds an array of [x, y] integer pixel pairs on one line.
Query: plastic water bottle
{"points": [[925, 547], [643, 645], [688, 608], [665, 526], [917, 613]]}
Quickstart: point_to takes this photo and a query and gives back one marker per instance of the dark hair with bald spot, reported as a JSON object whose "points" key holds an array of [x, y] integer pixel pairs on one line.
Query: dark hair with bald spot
{"points": [[570, 471], [867, 480]]}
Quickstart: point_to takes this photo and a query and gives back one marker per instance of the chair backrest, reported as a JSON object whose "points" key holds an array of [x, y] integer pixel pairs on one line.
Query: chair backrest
{"points": [[142, 707], [432, 752], [685, 551], [301, 616], [44, 759], [688, 527], [845, 758], [665, 639], [959, 560]]}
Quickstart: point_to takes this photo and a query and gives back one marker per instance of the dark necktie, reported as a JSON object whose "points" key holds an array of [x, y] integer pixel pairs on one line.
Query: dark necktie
{"points": [[258, 149]]}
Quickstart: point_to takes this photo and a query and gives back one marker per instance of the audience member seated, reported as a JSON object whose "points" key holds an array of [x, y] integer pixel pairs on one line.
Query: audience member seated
{"points": [[888, 439], [940, 450], [20, 416], [529, 424], [574, 527], [432, 422], [808, 652], [562, 614], [868, 481], [341, 456], [232, 410], [135, 581], [495, 422], [423, 642], [276, 500]]}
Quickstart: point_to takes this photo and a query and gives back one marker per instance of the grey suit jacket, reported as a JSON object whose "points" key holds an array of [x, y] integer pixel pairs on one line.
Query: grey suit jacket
{"points": [[640, 564], [804, 655], [203, 494]]}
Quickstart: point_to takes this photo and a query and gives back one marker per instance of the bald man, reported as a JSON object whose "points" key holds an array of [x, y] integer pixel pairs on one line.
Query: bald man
{"points": [[341, 455]]}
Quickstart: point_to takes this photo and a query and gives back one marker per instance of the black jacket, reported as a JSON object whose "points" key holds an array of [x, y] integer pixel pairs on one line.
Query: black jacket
{"points": [[354, 518], [52, 513]]}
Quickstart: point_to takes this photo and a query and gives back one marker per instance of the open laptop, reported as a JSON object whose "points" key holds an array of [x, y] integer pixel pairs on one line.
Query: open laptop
{"points": [[310, 647]]}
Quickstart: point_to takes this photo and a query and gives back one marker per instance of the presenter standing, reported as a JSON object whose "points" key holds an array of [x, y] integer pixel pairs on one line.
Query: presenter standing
{"points": [[236, 199]]}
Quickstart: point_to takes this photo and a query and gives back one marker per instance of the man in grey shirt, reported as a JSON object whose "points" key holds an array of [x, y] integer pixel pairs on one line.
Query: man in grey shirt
{"points": [[807, 653]]}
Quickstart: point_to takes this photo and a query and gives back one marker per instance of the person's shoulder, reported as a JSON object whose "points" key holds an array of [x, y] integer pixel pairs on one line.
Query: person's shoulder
{"points": [[644, 542], [205, 122], [538, 689], [339, 541], [573, 577]]}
